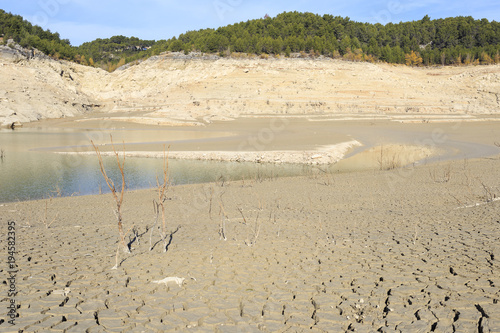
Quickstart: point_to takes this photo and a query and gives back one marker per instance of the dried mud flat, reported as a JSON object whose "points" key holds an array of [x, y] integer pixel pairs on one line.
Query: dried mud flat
{"points": [[409, 250]]}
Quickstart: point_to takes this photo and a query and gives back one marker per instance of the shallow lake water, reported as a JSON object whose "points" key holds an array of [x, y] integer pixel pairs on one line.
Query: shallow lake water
{"points": [[31, 169], [36, 175]]}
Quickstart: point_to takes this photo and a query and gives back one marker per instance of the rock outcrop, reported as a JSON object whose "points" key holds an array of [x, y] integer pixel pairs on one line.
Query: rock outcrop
{"points": [[34, 86]]}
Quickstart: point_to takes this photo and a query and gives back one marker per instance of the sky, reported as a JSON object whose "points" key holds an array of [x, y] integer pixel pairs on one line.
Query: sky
{"points": [[86, 20]]}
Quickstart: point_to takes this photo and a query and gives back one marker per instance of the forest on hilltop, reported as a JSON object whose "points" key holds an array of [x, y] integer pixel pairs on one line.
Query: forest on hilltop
{"points": [[32, 36], [449, 41]]}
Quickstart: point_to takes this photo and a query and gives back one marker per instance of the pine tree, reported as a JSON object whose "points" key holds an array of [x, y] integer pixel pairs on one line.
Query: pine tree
{"points": [[413, 59], [288, 51]]}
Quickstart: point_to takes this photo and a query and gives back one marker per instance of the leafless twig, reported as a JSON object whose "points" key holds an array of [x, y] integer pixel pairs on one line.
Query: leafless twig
{"points": [[488, 194], [256, 231], [224, 217], [45, 218], [117, 196], [159, 205], [243, 216]]}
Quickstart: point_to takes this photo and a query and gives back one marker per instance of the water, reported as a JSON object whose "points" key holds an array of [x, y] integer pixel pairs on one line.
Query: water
{"points": [[30, 169]]}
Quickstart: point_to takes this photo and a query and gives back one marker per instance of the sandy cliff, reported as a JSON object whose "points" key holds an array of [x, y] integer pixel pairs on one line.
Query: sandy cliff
{"points": [[34, 88], [172, 87], [298, 86]]}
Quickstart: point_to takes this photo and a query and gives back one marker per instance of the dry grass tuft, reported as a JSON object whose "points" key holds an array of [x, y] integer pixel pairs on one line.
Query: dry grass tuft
{"points": [[443, 177], [389, 161]]}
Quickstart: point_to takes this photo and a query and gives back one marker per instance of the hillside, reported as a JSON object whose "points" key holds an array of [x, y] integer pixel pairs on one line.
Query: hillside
{"points": [[34, 87], [16, 30], [453, 40], [449, 41], [174, 88], [232, 87]]}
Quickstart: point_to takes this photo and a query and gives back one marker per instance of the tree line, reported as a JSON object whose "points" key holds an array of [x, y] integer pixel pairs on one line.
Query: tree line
{"points": [[32, 36], [449, 41]]}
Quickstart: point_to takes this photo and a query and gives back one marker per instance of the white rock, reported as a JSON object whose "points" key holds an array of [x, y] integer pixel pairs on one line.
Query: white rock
{"points": [[167, 280]]}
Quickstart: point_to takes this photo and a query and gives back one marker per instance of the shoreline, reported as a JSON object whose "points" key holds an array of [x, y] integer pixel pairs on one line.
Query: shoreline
{"points": [[157, 120], [333, 146], [320, 156]]}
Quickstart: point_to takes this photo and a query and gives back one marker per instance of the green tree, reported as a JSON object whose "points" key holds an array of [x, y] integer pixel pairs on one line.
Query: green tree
{"points": [[345, 45], [176, 46], [386, 54], [288, 51]]}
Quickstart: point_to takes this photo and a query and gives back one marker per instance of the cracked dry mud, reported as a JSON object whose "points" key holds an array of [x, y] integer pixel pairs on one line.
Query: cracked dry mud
{"points": [[367, 251]]}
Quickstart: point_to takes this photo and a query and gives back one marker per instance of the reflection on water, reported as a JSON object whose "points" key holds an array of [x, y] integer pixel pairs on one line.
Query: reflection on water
{"points": [[31, 170], [35, 175], [27, 174]]}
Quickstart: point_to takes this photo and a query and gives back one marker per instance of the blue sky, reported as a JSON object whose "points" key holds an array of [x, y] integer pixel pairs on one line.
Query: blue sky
{"points": [[85, 20]]}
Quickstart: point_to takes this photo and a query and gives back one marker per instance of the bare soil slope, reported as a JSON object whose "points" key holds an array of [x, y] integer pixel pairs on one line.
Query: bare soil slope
{"points": [[39, 88], [172, 89]]}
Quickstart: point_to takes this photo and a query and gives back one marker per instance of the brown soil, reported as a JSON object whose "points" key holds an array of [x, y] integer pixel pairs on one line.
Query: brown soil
{"points": [[411, 249], [407, 246]]}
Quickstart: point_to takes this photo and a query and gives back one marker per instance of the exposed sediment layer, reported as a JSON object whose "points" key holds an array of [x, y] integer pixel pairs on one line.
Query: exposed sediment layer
{"points": [[322, 155], [168, 90]]}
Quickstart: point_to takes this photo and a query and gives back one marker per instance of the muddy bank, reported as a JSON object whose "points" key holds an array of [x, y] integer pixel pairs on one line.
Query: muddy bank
{"points": [[398, 250]]}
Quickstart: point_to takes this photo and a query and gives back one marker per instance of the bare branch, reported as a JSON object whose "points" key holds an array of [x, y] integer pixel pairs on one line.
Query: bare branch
{"points": [[109, 181], [111, 185], [121, 167], [222, 226], [241, 212], [160, 203]]}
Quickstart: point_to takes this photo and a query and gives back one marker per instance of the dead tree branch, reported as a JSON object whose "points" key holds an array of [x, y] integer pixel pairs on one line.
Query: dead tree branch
{"points": [[159, 204], [117, 196]]}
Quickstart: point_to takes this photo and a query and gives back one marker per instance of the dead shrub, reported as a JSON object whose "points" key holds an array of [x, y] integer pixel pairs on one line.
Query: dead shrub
{"points": [[118, 197]]}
